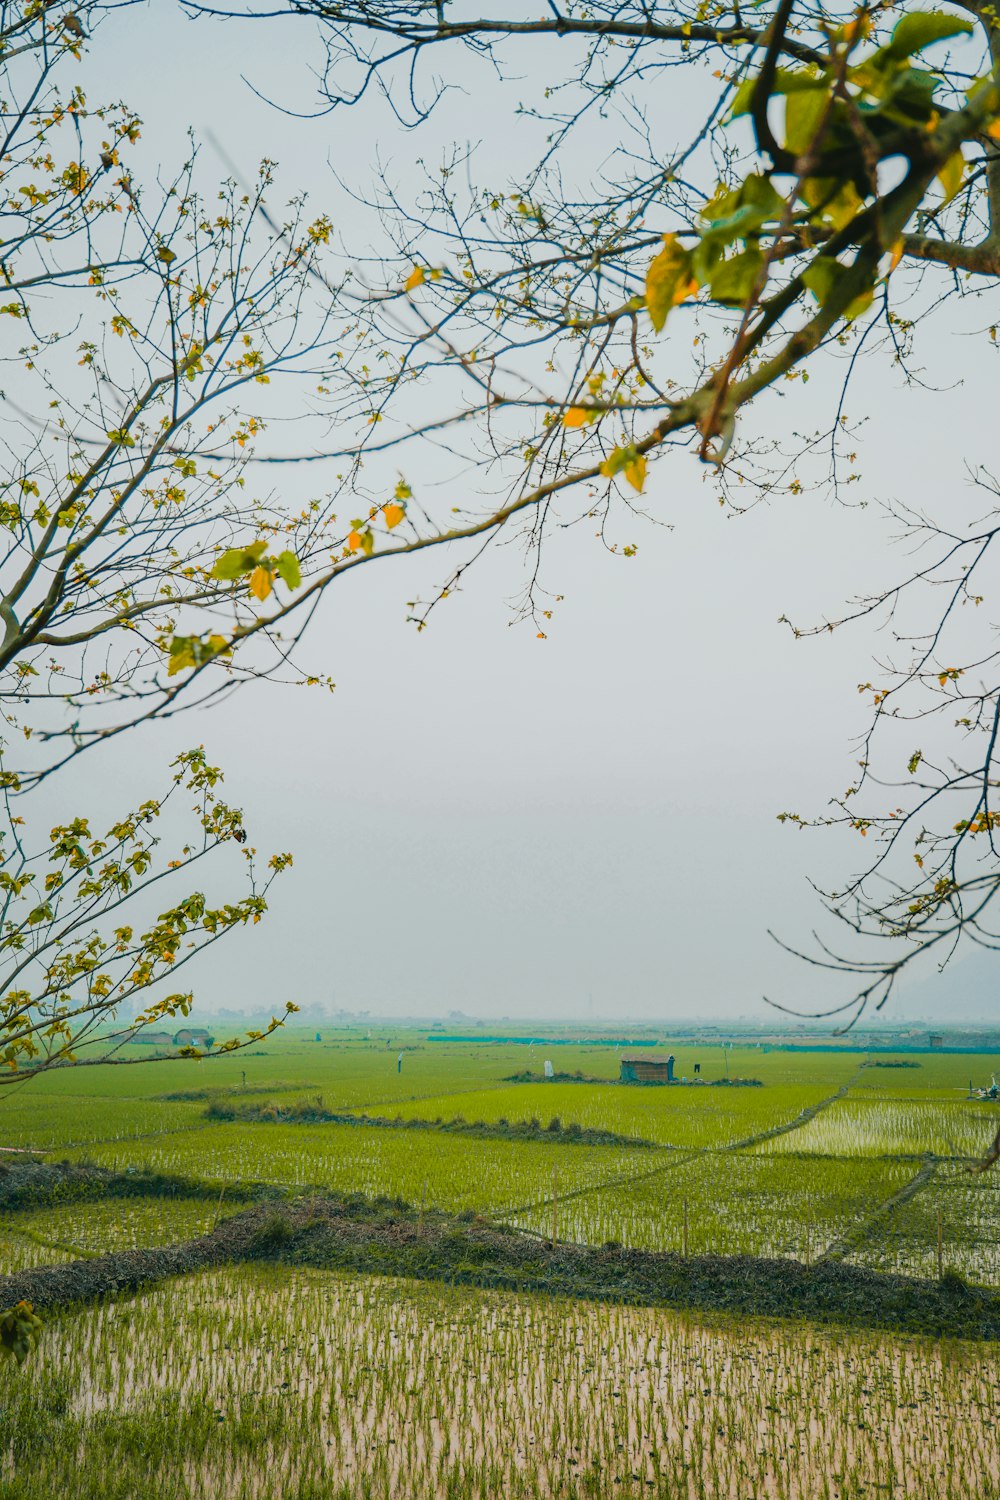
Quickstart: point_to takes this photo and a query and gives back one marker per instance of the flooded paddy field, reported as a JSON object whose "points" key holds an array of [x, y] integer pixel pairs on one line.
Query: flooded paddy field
{"points": [[350, 1384], [811, 1161], [383, 1387]]}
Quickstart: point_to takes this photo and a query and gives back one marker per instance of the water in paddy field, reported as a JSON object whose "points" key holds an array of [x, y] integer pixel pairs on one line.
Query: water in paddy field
{"points": [[218, 1380], [387, 1387]]}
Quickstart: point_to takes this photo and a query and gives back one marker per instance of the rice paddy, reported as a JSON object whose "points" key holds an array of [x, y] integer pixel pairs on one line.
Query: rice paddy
{"points": [[452, 1171], [374, 1386], [671, 1117], [384, 1388], [21, 1250], [890, 1127], [967, 1209], [113, 1224], [734, 1205]]}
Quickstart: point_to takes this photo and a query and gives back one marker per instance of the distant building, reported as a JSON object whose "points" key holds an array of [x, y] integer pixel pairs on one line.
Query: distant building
{"points": [[645, 1070], [193, 1036], [148, 1038], [935, 1039]]}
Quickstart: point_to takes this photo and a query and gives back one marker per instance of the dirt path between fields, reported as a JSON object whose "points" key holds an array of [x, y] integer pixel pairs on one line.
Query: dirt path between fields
{"points": [[678, 1155], [868, 1228], [802, 1118]]}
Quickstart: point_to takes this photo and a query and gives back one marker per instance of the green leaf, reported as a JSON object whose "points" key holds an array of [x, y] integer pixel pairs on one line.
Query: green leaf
{"points": [[951, 177], [19, 1329], [627, 461], [833, 205], [786, 81], [191, 651], [824, 276], [237, 561], [181, 654], [821, 277], [733, 280], [230, 565], [757, 198], [803, 117], [760, 193], [921, 28], [288, 568], [738, 214], [861, 303], [909, 97]]}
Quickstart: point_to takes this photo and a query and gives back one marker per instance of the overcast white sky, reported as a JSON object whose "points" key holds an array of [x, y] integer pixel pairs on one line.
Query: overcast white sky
{"points": [[578, 827]]}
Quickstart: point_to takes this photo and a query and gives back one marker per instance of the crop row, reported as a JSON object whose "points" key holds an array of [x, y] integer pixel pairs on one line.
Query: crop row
{"points": [[22, 1251], [964, 1209], [450, 1171], [32, 1119], [124, 1223], [892, 1127], [379, 1388], [735, 1204], [682, 1117]]}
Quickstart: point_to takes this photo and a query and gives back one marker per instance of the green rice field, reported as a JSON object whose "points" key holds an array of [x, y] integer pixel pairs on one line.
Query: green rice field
{"points": [[382, 1387], [789, 1168], [376, 1386]]}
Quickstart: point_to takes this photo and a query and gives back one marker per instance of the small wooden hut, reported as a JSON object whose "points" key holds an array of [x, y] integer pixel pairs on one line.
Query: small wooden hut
{"points": [[646, 1070]]}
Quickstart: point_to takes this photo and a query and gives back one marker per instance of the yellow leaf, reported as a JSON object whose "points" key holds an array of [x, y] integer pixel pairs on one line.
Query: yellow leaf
{"points": [[686, 288], [164, 253], [393, 514], [668, 280], [260, 583], [951, 175], [896, 257], [577, 416], [416, 278], [179, 660], [635, 472], [993, 131], [361, 541]]}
